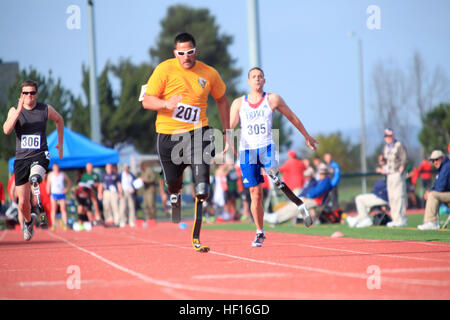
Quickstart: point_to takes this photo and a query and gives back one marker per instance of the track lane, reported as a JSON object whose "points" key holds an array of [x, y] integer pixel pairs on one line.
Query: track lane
{"points": [[159, 263]]}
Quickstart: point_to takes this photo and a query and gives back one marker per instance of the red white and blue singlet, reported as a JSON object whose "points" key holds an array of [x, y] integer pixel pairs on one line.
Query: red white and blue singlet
{"points": [[256, 146]]}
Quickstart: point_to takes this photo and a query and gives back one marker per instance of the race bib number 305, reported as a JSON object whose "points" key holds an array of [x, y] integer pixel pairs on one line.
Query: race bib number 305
{"points": [[31, 141], [186, 113]]}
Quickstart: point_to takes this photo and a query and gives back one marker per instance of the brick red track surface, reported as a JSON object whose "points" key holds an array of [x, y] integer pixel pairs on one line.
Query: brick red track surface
{"points": [[159, 263]]}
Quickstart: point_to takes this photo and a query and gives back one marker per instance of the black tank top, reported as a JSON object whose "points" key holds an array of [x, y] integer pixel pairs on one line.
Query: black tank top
{"points": [[31, 138]]}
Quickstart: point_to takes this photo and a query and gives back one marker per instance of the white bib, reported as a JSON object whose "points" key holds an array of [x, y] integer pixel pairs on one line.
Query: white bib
{"points": [[186, 113], [30, 141]]}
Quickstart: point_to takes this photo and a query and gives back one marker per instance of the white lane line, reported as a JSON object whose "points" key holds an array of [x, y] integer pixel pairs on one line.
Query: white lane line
{"points": [[363, 276], [50, 283], [243, 275], [2, 235], [96, 282], [176, 294], [414, 270], [180, 286], [371, 254]]}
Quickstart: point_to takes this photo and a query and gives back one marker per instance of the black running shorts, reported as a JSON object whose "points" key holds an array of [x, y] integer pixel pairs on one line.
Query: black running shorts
{"points": [[178, 151], [22, 167]]}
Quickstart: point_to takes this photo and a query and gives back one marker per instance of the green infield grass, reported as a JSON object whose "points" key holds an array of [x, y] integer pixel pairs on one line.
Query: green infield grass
{"points": [[374, 232]]}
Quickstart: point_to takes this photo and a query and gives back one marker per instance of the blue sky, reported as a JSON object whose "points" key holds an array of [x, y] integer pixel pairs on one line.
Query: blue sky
{"points": [[306, 52]]}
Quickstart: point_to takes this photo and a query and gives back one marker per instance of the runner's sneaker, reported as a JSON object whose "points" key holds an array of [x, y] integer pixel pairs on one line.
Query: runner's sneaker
{"points": [[307, 220], [429, 226], [28, 230], [259, 239]]}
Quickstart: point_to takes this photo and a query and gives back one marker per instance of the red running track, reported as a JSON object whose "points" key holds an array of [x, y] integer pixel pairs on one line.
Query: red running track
{"points": [[159, 263]]}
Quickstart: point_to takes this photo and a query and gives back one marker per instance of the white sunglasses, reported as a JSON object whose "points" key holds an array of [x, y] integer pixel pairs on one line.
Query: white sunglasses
{"points": [[188, 52]]}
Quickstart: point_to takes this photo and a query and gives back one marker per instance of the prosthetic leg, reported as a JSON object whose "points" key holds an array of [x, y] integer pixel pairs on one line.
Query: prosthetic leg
{"points": [[197, 227], [175, 202], [201, 194], [291, 196], [36, 175]]}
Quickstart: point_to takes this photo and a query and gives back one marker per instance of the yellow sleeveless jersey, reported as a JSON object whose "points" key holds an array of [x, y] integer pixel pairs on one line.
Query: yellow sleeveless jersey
{"points": [[170, 78]]}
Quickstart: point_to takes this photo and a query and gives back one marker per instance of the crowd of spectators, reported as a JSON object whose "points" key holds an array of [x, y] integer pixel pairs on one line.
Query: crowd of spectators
{"points": [[113, 198]]}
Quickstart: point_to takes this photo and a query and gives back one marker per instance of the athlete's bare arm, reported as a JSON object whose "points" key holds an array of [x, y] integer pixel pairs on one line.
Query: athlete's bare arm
{"points": [[276, 102], [224, 113], [154, 103], [234, 113], [13, 115], [59, 121]]}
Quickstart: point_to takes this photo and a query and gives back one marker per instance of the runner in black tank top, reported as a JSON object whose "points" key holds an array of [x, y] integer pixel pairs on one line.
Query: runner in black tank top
{"points": [[31, 139], [29, 121]]}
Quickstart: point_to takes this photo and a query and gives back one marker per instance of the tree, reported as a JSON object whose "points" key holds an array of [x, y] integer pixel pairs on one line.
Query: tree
{"points": [[343, 152], [427, 88], [80, 120], [435, 133], [404, 97], [107, 105], [392, 99], [134, 124]]}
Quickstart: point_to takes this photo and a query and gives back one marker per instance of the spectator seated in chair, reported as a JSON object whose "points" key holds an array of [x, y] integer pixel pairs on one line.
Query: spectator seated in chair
{"points": [[366, 202], [439, 193]]}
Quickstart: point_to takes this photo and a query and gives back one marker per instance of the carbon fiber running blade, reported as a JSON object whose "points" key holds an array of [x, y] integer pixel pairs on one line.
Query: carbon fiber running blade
{"points": [[176, 214], [176, 207]]}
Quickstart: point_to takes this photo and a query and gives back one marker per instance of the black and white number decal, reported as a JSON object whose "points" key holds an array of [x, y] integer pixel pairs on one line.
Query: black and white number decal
{"points": [[187, 113], [31, 141], [258, 128]]}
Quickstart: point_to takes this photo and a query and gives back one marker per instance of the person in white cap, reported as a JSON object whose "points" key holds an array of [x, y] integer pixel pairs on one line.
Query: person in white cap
{"points": [[439, 193], [395, 154]]}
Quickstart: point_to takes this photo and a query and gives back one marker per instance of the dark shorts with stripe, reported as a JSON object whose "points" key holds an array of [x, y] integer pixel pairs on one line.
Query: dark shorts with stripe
{"points": [[22, 167], [178, 151]]}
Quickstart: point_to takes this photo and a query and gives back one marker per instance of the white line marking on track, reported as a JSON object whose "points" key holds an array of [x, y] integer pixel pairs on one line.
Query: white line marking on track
{"points": [[180, 286], [312, 269], [242, 275], [2, 235], [175, 294], [49, 283], [413, 270], [371, 254], [96, 282]]}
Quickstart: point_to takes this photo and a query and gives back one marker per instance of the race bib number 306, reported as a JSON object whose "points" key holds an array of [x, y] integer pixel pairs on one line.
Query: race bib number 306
{"points": [[186, 113], [31, 141]]}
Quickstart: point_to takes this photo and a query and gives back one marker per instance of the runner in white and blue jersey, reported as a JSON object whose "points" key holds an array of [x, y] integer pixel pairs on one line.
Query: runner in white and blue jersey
{"points": [[257, 149]]}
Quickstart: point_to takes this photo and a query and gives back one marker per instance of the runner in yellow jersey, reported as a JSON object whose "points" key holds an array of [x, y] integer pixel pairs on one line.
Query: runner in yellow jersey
{"points": [[178, 90]]}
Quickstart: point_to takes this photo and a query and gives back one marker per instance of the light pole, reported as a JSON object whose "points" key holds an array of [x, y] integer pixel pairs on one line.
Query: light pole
{"points": [[96, 134], [361, 109], [253, 33]]}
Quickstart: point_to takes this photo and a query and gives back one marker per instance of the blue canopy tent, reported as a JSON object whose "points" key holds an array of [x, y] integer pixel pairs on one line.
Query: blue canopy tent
{"points": [[77, 151]]}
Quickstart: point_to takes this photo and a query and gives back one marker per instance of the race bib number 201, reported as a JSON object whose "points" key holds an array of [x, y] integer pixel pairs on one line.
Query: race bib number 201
{"points": [[186, 113], [31, 141]]}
